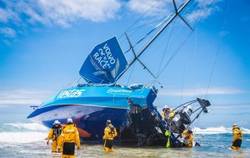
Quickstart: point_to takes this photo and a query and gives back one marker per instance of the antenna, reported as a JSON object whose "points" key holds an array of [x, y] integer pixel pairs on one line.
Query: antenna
{"points": [[165, 25]]}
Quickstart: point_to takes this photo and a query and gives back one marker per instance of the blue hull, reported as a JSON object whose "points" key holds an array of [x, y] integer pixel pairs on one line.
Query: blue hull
{"points": [[91, 106]]}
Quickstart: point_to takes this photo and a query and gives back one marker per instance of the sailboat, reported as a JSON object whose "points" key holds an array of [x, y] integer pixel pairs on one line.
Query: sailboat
{"points": [[130, 108]]}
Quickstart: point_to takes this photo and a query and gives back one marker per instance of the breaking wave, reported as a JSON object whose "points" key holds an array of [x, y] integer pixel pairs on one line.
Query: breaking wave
{"points": [[34, 132], [22, 137], [22, 132], [26, 126], [217, 130]]}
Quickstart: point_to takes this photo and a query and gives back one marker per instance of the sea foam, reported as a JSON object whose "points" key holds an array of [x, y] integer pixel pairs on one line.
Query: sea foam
{"points": [[27, 126], [23, 132], [22, 137], [217, 130], [34, 132]]}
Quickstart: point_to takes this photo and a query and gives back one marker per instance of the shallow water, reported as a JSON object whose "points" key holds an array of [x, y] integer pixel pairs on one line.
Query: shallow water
{"points": [[41, 150], [31, 144], [20, 138]]}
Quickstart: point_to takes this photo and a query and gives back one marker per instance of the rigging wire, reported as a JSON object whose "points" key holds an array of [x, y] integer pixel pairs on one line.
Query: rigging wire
{"points": [[187, 65], [164, 34], [146, 23], [212, 70], [130, 75], [133, 24], [147, 34], [165, 25], [130, 27], [171, 58], [194, 52], [166, 48], [177, 51], [174, 54], [217, 54]]}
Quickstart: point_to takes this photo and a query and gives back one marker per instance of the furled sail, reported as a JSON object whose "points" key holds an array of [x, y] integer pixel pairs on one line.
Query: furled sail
{"points": [[105, 63]]}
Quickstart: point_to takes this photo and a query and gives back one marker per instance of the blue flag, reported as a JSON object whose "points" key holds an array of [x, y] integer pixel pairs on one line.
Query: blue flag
{"points": [[105, 63]]}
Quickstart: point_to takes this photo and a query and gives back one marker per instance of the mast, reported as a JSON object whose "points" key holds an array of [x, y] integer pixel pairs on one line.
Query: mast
{"points": [[167, 23]]}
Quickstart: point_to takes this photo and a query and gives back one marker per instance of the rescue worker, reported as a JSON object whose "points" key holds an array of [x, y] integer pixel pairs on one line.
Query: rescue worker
{"points": [[69, 139], [187, 135], [167, 113], [237, 137], [109, 134], [53, 135], [163, 113]]}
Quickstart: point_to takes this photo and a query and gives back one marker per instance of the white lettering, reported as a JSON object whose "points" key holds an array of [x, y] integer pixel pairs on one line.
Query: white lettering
{"points": [[70, 93], [95, 55], [118, 91], [104, 57]]}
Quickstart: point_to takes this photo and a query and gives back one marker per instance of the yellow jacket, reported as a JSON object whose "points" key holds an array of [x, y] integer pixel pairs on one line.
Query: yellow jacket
{"points": [[237, 134], [188, 137], [109, 133], [70, 134], [163, 115], [51, 135], [54, 135], [172, 114]]}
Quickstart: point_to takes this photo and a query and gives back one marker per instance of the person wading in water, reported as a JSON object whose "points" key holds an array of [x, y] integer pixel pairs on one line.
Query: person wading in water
{"points": [[54, 135], [109, 135]]}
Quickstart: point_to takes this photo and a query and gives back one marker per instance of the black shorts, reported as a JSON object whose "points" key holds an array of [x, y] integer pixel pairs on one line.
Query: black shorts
{"points": [[108, 143], [68, 148], [237, 143]]}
